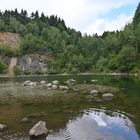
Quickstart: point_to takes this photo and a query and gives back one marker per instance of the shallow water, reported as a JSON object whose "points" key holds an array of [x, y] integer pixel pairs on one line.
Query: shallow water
{"points": [[81, 119]]}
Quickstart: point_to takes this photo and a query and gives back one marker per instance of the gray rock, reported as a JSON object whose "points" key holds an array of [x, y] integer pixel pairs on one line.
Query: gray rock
{"points": [[43, 82], [63, 87], [25, 120], [33, 63], [38, 129], [49, 85], [54, 87], [108, 96], [2, 127], [32, 84], [55, 82], [94, 92], [93, 81], [29, 83], [26, 83], [70, 82]]}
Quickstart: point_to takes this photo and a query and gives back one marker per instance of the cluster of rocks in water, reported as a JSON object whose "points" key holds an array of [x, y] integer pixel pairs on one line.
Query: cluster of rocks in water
{"points": [[106, 96], [53, 85]]}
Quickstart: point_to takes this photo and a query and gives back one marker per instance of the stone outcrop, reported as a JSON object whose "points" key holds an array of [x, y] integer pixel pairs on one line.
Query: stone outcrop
{"points": [[33, 64], [38, 129], [28, 64]]}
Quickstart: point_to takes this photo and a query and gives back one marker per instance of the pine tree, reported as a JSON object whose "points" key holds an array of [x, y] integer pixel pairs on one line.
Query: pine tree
{"points": [[136, 18]]}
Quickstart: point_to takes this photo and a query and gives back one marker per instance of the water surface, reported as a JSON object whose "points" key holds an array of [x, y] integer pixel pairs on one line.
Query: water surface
{"points": [[79, 118]]}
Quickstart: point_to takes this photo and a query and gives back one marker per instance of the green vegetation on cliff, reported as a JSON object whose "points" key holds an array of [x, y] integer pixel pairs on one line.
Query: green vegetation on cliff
{"points": [[116, 51]]}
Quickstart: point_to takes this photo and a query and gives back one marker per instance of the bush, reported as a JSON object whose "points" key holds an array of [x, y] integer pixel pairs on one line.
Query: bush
{"points": [[3, 68], [27, 73], [16, 70], [9, 51]]}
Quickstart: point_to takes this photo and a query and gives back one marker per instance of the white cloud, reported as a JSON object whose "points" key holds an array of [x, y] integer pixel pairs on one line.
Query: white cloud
{"points": [[101, 25], [77, 14]]}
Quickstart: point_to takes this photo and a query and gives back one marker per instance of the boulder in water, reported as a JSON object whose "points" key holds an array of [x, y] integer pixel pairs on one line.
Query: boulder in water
{"points": [[26, 83], [42, 82], [39, 129], [54, 86], [108, 96], [25, 120], [2, 127], [49, 85], [63, 87], [55, 82], [94, 92]]}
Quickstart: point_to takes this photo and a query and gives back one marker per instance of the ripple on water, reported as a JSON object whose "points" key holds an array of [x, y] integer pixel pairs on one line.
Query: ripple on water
{"points": [[98, 124]]}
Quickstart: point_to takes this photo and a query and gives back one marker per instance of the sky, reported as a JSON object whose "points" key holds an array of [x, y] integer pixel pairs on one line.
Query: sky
{"points": [[87, 16]]}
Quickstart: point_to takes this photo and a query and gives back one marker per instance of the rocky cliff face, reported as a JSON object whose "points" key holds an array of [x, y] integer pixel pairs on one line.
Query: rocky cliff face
{"points": [[33, 64], [11, 39], [28, 64]]}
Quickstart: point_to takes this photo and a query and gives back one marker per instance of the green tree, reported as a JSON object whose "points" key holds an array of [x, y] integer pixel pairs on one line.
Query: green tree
{"points": [[16, 70], [3, 68]]}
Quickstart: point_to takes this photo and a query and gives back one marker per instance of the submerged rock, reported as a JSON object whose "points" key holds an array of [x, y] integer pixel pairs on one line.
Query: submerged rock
{"points": [[32, 84], [108, 96], [2, 127], [38, 129], [36, 115], [93, 81], [29, 83], [94, 92], [70, 82], [55, 82], [54, 86], [63, 87], [25, 120], [49, 85], [43, 82], [26, 83]]}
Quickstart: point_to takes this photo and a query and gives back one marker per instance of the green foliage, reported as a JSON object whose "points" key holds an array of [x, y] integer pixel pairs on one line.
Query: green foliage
{"points": [[116, 51], [3, 68], [136, 18], [27, 73], [127, 59], [16, 70], [7, 50]]}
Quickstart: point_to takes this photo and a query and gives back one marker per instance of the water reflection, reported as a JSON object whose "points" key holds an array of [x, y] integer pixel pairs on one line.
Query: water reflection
{"points": [[97, 125]]}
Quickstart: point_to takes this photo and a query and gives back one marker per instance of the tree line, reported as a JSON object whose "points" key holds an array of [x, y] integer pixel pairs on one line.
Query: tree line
{"points": [[72, 52]]}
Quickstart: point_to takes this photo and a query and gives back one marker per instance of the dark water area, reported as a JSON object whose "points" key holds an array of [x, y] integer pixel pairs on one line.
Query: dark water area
{"points": [[81, 119]]}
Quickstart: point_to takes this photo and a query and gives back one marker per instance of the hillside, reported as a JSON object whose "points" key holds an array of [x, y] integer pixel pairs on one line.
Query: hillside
{"points": [[67, 49]]}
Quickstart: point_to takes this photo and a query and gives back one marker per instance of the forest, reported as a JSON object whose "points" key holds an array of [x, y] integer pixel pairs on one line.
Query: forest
{"points": [[72, 52]]}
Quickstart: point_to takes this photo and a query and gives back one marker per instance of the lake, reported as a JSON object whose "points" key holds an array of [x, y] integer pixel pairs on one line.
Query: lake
{"points": [[73, 114]]}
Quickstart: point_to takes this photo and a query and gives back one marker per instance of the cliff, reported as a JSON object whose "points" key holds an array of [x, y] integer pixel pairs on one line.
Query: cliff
{"points": [[27, 64], [10, 39]]}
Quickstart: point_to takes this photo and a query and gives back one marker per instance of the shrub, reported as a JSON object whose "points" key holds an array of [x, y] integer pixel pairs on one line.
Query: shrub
{"points": [[27, 73], [3, 68], [9, 51], [16, 70]]}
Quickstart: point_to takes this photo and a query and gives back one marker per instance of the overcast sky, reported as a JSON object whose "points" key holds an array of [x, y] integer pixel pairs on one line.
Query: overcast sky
{"points": [[88, 16]]}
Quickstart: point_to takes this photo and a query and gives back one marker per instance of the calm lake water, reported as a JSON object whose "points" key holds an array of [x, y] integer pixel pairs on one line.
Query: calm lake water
{"points": [[81, 119]]}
